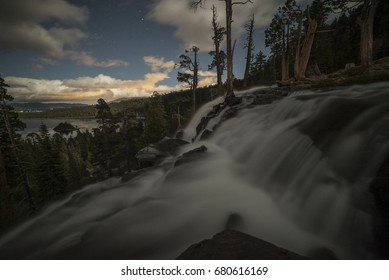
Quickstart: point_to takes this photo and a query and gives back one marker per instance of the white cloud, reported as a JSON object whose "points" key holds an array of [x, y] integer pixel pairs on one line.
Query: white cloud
{"points": [[159, 64], [22, 27], [194, 27], [89, 89]]}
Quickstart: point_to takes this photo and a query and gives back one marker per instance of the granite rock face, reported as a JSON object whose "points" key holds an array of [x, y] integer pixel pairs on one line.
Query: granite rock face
{"points": [[235, 245]]}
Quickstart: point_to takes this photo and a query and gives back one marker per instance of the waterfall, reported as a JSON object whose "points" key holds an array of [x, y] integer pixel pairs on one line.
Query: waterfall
{"points": [[297, 172]]}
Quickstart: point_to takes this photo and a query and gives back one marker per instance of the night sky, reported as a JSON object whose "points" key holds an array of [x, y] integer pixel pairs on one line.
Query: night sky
{"points": [[82, 50]]}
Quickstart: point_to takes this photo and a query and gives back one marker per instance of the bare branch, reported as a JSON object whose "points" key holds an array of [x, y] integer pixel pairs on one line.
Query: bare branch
{"points": [[196, 4], [325, 31], [242, 3]]}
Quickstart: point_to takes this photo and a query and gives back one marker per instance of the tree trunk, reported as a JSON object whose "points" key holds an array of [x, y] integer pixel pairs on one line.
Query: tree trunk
{"points": [[305, 52], [219, 71], [367, 22], [298, 47], [285, 56], [195, 79], [249, 51], [217, 40], [230, 76]]}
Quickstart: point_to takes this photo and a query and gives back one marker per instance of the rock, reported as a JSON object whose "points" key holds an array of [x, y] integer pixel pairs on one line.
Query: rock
{"points": [[169, 146], [203, 124], [349, 66], [235, 245], [206, 134], [233, 101], [155, 153], [264, 99], [149, 156], [230, 113], [191, 155], [322, 253], [180, 134]]}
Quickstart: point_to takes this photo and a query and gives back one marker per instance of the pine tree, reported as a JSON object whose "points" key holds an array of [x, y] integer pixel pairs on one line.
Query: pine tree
{"points": [[9, 143], [190, 64], [106, 140], [155, 126]]}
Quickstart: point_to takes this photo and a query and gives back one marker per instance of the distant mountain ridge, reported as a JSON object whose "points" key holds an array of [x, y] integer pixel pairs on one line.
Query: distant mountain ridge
{"points": [[40, 106]]}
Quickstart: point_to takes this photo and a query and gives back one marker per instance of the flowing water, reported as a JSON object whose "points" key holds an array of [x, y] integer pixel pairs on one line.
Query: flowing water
{"points": [[297, 172]]}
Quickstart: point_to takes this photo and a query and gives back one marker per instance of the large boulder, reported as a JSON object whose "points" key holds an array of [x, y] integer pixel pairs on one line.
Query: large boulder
{"points": [[235, 245], [155, 153]]}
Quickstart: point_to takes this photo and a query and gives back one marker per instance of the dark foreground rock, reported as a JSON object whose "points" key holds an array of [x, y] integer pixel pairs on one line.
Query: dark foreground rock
{"points": [[191, 155], [235, 245]]}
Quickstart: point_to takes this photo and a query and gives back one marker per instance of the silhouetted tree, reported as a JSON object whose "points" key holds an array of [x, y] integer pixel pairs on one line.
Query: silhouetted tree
{"points": [[155, 120], [229, 9], [105, 140], [190, 75], [250, 48], [10, 121], [218, 55]]}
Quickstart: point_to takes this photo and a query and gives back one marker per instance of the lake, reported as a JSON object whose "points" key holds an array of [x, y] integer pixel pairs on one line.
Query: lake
{"points": [[34, 124]]}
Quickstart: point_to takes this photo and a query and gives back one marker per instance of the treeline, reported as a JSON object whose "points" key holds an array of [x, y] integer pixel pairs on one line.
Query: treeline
{"points": [[41, 168], [321, 38]]}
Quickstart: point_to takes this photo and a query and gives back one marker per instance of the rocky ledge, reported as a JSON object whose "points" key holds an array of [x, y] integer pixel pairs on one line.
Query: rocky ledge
{"points": [[235, 245]]}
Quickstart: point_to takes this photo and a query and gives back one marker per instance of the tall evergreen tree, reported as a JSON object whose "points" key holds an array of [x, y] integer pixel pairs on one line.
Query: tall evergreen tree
{"points": [[106, 141], [155, 122], [9, 142], [50, 172]]}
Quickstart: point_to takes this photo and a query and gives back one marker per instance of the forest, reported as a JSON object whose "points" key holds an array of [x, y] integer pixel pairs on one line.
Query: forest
{"points": [[304, 44]]}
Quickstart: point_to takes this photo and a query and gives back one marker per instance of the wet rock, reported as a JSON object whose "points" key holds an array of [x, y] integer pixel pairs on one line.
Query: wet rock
{"points": [[233, 101], [180, 134], [202, 125], [155, 153], [235, 245], [322, 253], [206, 134], [230, 113], [169, 145], [149, 156], [264, 99], [191, 155]]}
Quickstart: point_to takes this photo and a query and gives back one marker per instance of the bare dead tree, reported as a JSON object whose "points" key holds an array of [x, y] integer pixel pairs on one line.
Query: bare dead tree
{"points": [[250, 48], [218, 36], [229, 11]]}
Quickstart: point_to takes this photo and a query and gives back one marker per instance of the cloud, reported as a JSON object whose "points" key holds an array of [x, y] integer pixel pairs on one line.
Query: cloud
{"points": [[194, 27], [158, 64], [89, 89], [85, 89], [24, 26]]}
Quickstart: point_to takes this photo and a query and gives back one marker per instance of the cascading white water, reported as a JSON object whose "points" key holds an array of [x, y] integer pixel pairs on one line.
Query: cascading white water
{"points": [[294, 180]]}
